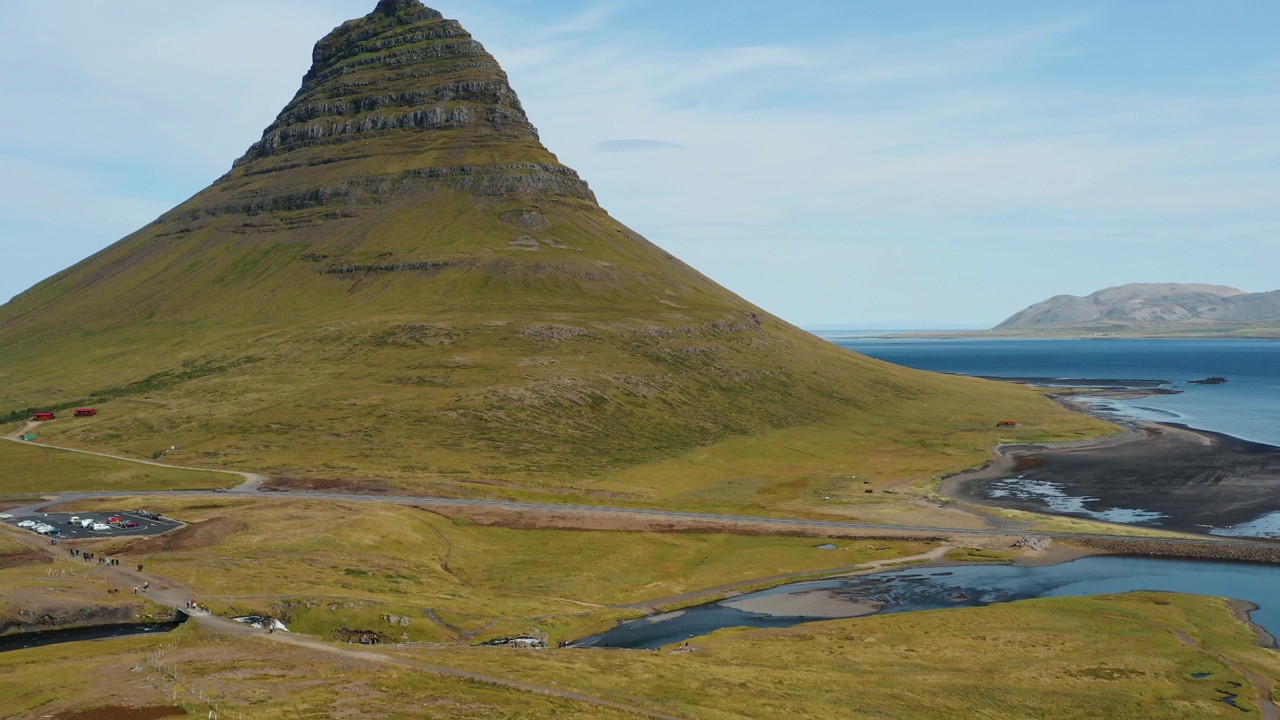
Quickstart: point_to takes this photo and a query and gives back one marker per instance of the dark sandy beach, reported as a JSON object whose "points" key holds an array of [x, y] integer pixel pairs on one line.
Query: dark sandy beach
{"points": [[1198, 479]]}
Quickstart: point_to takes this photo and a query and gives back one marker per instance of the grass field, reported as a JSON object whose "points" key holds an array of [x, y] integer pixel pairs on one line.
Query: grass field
{"points": [[37, 593], [328, 565], [1116, 657], [1060, 659], [324, 565], [27, 469], [253, 677]]}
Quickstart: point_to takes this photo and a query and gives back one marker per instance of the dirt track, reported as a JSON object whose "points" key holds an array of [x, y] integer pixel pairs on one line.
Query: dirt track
{"points": [[173, 594]]}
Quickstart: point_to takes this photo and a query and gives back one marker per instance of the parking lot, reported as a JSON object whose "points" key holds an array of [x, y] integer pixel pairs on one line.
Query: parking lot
{"points": [[146, 525]]}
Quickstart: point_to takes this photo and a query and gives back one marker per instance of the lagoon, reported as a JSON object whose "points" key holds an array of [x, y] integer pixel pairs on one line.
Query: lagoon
{"points": [[935, 588]]}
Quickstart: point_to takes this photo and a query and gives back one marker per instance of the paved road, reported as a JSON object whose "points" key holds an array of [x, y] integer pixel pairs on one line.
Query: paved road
{"points": [[828, 526], [173, 594], [253, 481]]}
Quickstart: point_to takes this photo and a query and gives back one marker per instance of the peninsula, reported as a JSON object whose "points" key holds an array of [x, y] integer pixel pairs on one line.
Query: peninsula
{"points": [[1169, 309]]}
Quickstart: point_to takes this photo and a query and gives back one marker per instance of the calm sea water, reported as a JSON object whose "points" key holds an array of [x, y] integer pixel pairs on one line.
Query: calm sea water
{"points": [[1247, 407]]}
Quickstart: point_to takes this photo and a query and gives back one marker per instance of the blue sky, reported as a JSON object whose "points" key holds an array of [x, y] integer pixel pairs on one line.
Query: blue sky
{"points": [[922, 163]]}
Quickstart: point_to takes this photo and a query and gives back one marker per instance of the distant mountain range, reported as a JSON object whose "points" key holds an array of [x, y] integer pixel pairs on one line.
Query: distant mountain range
{"points": [[1150, 307]]}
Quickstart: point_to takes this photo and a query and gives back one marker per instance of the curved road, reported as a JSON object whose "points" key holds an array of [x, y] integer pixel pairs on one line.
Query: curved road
{"points": [[174, 595], [253, 482]]}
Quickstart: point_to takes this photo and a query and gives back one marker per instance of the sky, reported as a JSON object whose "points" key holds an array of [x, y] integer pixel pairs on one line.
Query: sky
{"points": [[860, 164]]}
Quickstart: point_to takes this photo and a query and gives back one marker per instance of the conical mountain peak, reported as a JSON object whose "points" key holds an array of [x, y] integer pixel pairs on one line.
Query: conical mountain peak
{"points": [[401, 275], [396, 7], [402, 70]]}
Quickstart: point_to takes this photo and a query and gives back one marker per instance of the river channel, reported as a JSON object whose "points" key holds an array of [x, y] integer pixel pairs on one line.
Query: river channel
{"points": [[26, 641], [934, 588]]}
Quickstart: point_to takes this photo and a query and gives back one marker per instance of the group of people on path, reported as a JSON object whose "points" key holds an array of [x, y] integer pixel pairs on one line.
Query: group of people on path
{"points": [[114, 562], [89, 557]]}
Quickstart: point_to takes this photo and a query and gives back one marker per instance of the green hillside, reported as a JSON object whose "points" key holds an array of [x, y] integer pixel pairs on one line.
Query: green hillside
{"points": [[400, 281]]}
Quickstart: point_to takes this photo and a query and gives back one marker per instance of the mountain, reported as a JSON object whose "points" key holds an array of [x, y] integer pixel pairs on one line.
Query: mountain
{"points": [[1149, 306], [399, 280]]}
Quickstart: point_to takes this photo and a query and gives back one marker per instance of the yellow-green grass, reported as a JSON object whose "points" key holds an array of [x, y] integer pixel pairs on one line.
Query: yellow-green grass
{"points": [[39, 594], [807, 470], [28, 469], [1068, 658], [1058, 659], [979, 555], [10, 545], [369, 307], [31, 601], [253, 677], [827, 469], [303, 408], [328, 565]]}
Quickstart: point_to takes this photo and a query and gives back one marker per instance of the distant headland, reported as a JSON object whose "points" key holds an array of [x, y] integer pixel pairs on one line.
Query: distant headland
{"points": [[1145, 310]]}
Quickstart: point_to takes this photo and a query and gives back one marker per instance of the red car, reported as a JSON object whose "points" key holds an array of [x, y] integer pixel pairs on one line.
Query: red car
{"points": [[129, 524]]}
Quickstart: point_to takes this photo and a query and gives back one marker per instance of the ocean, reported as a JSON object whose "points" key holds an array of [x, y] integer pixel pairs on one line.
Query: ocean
{"points": [[1246, 407]]}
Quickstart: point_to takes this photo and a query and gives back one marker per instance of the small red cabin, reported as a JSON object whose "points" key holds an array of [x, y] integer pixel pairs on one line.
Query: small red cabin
{"points": [[1007, 423], [42, 416], [85, 412]]}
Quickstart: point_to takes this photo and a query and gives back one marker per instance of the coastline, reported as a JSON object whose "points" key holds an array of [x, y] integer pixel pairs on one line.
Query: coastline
{"points": [[1223, 332], [1173, 477], [1243, 611]]}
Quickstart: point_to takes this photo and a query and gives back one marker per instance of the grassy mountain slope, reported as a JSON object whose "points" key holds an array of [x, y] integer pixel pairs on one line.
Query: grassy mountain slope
{"points": [[399, 280]]}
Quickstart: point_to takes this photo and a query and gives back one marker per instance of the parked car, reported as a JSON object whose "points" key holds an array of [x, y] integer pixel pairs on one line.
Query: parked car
{"points": [[27, 524], [100, 526], [74, 520], [5, 516], [129, 524], [87, 522]]}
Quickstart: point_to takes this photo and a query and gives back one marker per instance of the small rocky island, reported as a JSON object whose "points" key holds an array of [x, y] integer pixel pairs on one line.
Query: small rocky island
{"points": [[1215, 380]]}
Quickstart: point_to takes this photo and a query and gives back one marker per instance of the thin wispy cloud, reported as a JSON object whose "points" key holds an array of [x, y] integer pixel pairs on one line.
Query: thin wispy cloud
{"points": [[823, 171]]}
